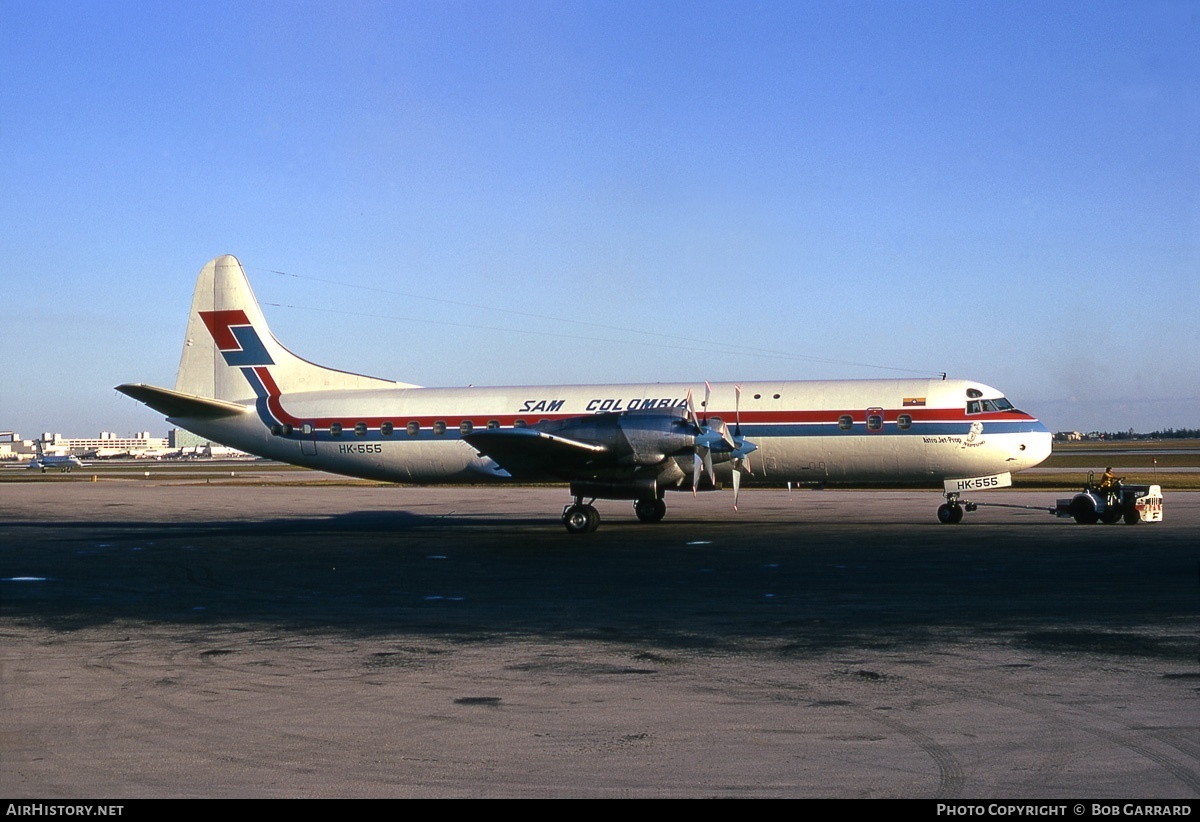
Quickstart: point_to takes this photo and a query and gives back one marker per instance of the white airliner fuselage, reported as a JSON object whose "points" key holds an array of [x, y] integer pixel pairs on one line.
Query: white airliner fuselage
{"points": [[58, 462], [238, 386]]}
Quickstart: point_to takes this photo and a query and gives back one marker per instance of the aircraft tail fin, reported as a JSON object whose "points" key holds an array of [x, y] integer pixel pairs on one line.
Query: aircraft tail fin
{"points": [[229, 352]]}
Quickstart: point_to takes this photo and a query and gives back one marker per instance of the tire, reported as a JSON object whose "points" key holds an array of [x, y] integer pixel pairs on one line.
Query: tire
{"points": [[1083, 509], [578, 521], [1132, 517], [650, 510], [948, 514]]}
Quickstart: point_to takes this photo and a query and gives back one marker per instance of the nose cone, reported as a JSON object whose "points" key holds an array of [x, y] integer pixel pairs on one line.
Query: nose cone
{"points": [[1034, 446]]}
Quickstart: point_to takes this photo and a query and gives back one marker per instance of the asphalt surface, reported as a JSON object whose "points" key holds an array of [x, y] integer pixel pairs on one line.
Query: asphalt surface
{"points": [[175, 639]]}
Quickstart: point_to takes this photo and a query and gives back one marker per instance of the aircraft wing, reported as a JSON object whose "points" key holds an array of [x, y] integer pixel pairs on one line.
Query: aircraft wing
{"points": [[176, 404], [529, 454]]}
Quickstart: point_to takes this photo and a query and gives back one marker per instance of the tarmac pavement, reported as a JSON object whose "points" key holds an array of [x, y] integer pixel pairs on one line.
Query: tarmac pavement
{"points": [[174, 639]]}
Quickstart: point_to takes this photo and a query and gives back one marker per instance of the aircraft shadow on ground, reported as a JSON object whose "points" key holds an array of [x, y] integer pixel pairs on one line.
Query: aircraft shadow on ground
{"points": [[694, 583]]}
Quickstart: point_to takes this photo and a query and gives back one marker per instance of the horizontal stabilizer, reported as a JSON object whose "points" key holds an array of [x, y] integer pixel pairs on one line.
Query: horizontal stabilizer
{"points": [[180, 405], [525, 452]]}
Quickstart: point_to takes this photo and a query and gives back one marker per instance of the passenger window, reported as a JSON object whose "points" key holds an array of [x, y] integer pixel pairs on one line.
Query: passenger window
{"points": [[518, 423], [493, 424], [306, 429], [287, 429], [845, 422], [360, 429], [276, 430], [439, 427], [466, 427], [386, 429], [874, 422], [413, 428], [904, 422], [335, 429]]}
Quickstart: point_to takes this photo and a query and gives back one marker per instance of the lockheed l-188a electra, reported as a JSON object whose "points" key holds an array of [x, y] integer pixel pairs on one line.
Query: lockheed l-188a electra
{"points": [[238, 386]]}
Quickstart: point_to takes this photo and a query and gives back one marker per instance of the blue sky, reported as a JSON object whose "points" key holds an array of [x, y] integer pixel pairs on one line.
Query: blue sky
{"points": [[1008, 192]]}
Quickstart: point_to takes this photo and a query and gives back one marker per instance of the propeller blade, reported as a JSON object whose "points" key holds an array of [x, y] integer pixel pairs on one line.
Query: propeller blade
{"points": [[737, 485], [701, 462]]}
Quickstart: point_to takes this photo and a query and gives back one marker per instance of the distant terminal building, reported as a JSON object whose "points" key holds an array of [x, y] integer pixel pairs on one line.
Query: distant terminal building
{"points": [[12, 447], [185, 439], [106, 445], [178, 443], [185, 444]]}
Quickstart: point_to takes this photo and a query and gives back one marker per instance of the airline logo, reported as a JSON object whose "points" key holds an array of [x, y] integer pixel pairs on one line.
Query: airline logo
{"points": [[236, 338], [242, 348]]}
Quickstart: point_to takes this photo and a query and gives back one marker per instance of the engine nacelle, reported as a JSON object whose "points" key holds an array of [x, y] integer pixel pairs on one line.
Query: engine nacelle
{"points": [[631, 437]]}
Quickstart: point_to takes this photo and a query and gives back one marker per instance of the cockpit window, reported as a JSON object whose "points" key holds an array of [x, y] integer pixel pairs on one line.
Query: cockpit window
{"points": [[974, 393], [982, 406]]}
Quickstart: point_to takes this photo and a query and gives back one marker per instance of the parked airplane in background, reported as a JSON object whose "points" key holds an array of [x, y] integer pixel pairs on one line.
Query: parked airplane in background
{"points": [[238, 386]]}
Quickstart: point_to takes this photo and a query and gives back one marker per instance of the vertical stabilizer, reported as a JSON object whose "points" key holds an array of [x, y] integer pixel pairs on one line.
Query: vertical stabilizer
{"points": [[227, 337]]}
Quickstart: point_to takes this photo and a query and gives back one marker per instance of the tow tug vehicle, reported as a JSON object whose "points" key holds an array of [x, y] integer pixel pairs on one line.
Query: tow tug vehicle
{"points": [[1131, 503]]}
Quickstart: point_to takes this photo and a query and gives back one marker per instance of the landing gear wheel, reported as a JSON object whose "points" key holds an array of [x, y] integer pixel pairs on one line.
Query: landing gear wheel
{"points": [[650, 510], [580, 519], [948, 514]]}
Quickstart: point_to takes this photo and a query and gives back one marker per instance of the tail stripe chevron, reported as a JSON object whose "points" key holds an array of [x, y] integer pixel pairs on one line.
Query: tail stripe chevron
{"points": [[236, 338]]}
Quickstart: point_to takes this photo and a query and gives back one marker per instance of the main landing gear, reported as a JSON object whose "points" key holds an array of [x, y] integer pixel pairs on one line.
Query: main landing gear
{"points": [[950, 512], [650, 510], [582, 517]]}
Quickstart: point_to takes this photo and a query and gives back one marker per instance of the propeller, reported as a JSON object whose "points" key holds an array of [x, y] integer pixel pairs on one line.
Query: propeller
{"points": [[715, 435]]}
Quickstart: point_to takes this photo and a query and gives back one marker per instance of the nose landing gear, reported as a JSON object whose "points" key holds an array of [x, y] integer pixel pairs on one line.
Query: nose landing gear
{"points": [[951, 511]]}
